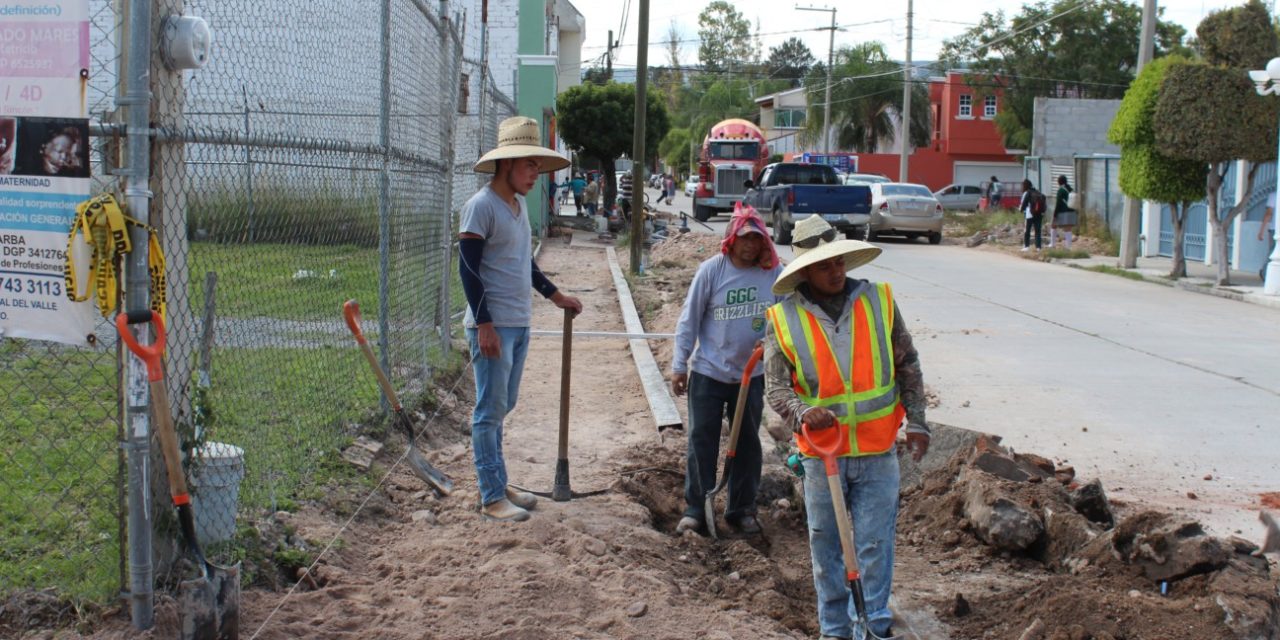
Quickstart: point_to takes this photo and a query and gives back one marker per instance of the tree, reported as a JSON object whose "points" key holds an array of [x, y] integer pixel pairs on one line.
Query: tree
{"points": [[674, 150], [790, 60], [596, 75], [1090, 51], [598, 121], [726, 38], [1147, 174], [1210, 112], [669, 80], [866, 101]]}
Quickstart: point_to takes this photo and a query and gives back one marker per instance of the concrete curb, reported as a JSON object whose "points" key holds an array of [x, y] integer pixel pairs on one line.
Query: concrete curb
{"points": [[1194, 285]]}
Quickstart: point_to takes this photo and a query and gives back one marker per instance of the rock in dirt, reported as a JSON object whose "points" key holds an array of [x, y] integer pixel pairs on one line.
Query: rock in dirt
{"points": [[961, 607], [998, 520], [1066, 532], [1033, 632], [1008, 467], [1249, 603], [362, 452], [1091, 502], [637, 609], [424, 516], [1170, 550], [595, 547]]}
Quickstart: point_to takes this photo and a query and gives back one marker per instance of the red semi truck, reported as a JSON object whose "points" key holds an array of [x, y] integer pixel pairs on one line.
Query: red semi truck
{"points": [[733, 152]]}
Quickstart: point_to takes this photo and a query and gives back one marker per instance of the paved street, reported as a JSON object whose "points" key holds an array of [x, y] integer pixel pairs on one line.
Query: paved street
{"points": [[1148, 387]]}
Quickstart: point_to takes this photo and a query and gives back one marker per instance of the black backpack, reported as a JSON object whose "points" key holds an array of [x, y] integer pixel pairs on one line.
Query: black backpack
{"points": [[1037, 203]]}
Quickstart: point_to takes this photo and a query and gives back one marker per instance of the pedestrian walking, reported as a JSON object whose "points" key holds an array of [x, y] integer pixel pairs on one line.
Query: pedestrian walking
{"points": [[839, 358], [1065, 218], [497, 268], [591, 196], [719, 327], [1268, 228], [994, 192], [624, 193], [578, 185], [1032, 207], [669, 185]]}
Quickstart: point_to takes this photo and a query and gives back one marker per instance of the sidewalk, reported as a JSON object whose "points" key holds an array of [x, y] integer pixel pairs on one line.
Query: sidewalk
{"points": [[1245, 286]]}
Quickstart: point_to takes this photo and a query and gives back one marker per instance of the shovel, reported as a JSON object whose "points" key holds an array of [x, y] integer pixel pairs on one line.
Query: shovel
{"points": [[435, 479], [560, 489], [709, 506], [1271, 543], [209, 606], [848, 546]]}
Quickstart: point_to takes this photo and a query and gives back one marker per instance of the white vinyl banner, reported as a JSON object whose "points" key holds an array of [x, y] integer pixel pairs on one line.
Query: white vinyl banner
{"points": [[44, 167]]}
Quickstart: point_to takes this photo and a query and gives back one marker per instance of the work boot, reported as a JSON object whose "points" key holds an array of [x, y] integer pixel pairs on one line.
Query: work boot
{"points": [[746, 525], [504, 510], [522, 499], [689, 523]]}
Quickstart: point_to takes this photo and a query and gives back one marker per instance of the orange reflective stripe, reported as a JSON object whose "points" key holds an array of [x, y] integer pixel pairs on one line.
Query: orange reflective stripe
{"points": [[864, 374]]}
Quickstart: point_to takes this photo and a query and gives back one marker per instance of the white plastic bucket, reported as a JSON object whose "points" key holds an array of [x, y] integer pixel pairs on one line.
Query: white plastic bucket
{"points": [[216, 490]]}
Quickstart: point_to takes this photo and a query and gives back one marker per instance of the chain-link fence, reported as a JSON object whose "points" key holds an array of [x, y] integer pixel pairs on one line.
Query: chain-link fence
{"points": [[300, 168]]}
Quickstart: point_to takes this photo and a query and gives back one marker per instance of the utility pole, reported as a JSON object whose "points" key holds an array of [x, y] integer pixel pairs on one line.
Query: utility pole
{"points": [[906, 102], [637, 145], [826, 107], [1132, 220], [608, 58]]}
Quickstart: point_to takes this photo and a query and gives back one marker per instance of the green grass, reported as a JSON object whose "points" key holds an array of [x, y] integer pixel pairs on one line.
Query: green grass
{"points": [[1123, 273], [1066, 254], [290, 407]]}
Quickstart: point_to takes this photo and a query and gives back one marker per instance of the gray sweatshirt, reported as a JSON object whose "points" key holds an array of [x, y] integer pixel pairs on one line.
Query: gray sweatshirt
{"points": [[724, 316]]}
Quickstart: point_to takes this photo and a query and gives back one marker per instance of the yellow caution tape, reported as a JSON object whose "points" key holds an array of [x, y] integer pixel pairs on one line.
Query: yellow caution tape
{"points": [[105, 228]]}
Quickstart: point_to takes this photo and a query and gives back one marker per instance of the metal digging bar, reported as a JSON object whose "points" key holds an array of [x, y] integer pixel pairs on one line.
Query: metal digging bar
{"points": [[560, 489]]}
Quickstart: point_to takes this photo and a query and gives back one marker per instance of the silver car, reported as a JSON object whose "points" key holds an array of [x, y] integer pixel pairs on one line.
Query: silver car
{"points": [[690, 186], [959, 197], [864, 178], [904, 209]]}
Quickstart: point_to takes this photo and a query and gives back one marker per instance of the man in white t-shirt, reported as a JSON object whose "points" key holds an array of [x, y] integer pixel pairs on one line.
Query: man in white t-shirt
{"points": [[1269, 228]]}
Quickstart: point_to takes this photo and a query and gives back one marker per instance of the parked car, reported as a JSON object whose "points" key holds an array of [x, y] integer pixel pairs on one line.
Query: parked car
{"points": [[959, 197], [905, 209], [864, 178], [788, 191], [691, 185]]}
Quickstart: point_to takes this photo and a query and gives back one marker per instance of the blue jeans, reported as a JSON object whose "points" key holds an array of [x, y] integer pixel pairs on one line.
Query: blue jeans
{"points": [[497, 385], [710, 402], [870, 485]]}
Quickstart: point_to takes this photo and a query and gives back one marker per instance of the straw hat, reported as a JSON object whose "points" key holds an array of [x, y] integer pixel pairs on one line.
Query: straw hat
{"points": [[855, 252], [519, 137]]}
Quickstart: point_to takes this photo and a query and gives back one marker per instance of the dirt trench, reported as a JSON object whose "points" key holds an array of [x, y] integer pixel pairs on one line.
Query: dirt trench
{"points": [[413, 566]]}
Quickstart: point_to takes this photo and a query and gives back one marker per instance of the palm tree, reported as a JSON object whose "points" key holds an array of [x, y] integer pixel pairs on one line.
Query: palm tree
{"points": [[866, 101]]}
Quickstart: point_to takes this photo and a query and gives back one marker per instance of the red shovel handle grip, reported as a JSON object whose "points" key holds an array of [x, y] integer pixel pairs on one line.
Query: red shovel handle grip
{"points": [[827, 455], [149, 354], [756, 355], [351, 312]]}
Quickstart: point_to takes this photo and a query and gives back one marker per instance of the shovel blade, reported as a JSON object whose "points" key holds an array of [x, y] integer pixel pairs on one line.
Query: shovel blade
{"points": [[1271, 543], [209, 607], [436, 479]]}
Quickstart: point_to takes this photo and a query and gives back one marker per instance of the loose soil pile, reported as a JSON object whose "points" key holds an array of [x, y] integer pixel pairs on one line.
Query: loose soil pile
{"points": [[409, 565]]}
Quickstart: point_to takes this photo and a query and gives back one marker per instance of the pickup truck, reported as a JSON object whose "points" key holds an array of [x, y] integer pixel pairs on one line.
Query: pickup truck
{"points": [[787, 191]]}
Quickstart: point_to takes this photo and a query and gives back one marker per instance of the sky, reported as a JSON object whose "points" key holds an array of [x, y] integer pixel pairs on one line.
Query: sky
{"points": [[934, 22]]}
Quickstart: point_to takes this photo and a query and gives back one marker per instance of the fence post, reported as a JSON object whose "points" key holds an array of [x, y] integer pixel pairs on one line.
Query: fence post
{"points": [[248, 165], [137, 103], [453, 50], [384, 198]]}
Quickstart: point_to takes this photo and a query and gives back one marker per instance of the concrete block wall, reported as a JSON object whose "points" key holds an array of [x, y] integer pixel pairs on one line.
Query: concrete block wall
{"points": [[1063, 128], [504, 39]]}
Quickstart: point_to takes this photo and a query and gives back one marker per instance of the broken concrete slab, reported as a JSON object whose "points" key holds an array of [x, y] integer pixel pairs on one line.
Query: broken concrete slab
{"points": [[944, 442], [1091, 502], [362, 452], [1177, 549], [997, 519]]}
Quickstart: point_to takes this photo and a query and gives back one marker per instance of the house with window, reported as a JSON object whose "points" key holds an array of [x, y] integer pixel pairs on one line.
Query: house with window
{"points": [[964, 145], [782, 117]]}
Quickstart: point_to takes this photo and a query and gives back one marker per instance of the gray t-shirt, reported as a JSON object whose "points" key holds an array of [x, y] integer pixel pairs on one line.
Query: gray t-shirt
{"points": [[724, 315], [506, 268]]}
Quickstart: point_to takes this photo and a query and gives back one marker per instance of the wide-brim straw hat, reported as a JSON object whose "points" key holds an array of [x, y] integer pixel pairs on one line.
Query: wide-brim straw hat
{"points": [[520, 137], [855, 253]]}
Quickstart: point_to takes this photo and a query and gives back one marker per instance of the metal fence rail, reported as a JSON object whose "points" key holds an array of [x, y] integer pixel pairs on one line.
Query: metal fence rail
{"points": [[299, 169]]}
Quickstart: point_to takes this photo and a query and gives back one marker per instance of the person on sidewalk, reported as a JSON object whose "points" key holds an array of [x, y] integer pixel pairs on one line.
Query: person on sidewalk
{"points": [[839, 358], [993, 194], [624, 194], [1065, 218], [577, 185], [1269, 228], [722, 321], [591, 197], [497, 268], [1032, 200]]}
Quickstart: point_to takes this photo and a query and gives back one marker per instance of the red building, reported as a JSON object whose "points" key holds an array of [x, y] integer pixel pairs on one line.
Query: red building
{"points": [[965, 147]]}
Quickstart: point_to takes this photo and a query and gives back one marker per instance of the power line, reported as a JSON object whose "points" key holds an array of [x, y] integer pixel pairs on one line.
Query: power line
{"points": [[772, 33]]}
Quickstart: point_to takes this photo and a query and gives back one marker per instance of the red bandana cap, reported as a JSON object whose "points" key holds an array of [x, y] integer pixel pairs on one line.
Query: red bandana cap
{"points": [[745, 220]]}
